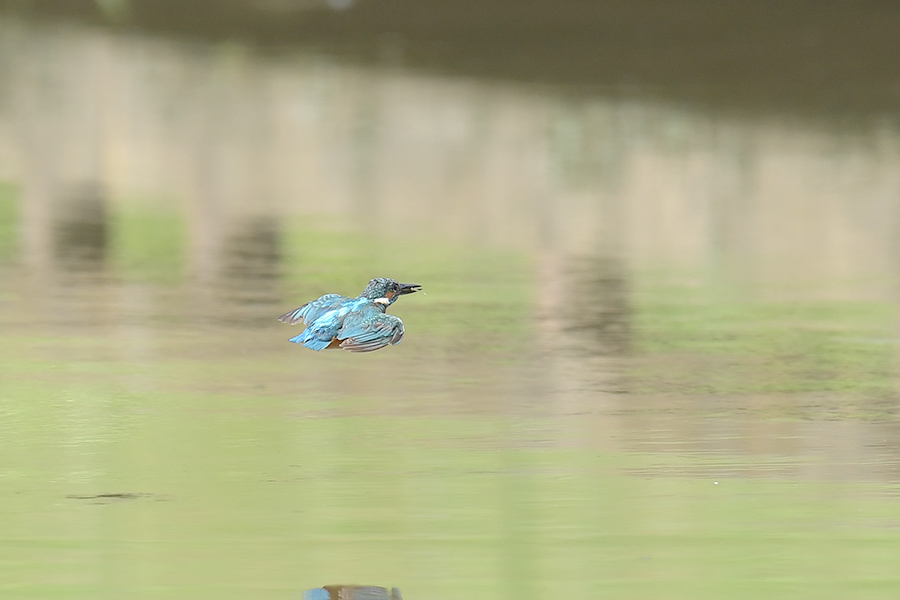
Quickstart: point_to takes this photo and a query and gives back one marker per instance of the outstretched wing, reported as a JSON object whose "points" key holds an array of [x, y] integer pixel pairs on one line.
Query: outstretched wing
{"points": [[311, 311], [370, 330]]}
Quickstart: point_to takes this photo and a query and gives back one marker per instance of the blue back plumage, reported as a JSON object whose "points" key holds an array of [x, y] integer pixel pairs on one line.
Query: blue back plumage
{"points": [[355, 324], [324, 319]]}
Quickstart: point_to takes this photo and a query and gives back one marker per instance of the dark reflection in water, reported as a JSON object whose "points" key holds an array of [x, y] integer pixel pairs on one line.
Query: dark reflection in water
{"points": [[249, 281], [597, 312], [352, 592], [249, 278], [252, 250], [81, 229]]}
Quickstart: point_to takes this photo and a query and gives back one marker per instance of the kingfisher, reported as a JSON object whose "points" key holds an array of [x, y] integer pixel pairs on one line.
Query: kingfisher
{"points": [[358, 324]]}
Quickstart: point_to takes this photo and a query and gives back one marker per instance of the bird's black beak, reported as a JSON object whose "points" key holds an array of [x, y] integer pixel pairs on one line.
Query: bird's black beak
{"points": [[409, 288]]}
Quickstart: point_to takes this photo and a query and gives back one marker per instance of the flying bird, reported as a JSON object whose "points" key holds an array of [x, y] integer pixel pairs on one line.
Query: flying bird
{"points": [[358, 324]]}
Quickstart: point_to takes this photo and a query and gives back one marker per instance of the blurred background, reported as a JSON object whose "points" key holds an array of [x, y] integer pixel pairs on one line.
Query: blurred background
{"points": [[658, 354]]}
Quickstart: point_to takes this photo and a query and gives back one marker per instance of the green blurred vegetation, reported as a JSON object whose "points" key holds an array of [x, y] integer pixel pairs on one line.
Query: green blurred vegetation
{"points": [[9, 218], [708, 339], [148, 242]]}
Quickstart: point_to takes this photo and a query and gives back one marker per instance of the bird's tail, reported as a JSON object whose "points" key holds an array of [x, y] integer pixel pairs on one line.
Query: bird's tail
{"points": [[310, 341]]}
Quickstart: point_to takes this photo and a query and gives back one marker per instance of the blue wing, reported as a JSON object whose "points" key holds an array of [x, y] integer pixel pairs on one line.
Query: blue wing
{"points": [[311, 311], [370, 329]]}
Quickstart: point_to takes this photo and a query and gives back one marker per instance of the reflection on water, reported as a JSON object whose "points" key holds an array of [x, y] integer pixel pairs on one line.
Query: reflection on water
{"points": [[250, 271], [80, 231], [595, 310], [351, 592], [657, 358]]}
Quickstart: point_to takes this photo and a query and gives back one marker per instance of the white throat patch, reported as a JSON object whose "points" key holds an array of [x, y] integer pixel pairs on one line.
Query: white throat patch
{"points": [[381, 301]]}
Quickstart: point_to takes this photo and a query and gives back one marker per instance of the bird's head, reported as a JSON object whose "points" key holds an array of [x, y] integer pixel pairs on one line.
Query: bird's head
{"points": [[386, 291]]}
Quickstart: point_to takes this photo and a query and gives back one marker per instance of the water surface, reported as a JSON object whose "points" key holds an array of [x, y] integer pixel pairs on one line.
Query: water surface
{"points": [[657, 357]]}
